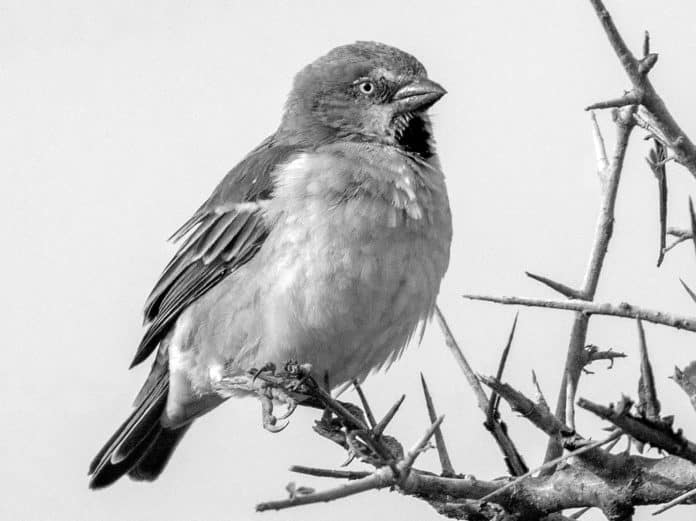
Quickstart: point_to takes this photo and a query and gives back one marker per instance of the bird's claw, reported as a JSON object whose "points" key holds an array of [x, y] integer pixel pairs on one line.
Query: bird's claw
{"points": [[292, 405], [268, 367], [270, 422], [300, 373], [267, 394]]}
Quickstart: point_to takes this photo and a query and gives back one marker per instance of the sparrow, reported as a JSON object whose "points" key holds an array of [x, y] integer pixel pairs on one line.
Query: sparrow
{"points": [[325, 245]]}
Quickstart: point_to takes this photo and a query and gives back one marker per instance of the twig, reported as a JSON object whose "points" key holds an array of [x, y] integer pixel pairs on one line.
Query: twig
{"points": [[657, 434], [381, 478], [681, 236], [676, 501], [627, 99], [498, 430], [623, 309], [329, 473], [592, 353], [688, 290], [445, 462], [420, 445], [643, 90], [609, 176], [686, 379], [538, 414], [549, 464], [609, 181]]}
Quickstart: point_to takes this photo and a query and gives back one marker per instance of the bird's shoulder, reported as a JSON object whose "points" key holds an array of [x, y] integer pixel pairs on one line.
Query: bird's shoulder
{"points": [[340, 171], [224, 233]]}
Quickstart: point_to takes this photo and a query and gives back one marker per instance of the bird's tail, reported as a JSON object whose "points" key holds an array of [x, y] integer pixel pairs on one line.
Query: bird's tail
{"points": [[141, 446]]}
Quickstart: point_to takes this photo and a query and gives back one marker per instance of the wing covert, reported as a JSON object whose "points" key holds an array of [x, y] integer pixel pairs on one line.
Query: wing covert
{"points": [[222, 235]]}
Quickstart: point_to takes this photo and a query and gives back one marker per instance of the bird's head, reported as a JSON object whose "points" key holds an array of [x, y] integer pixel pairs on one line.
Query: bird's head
{"points": [[365, 91]]}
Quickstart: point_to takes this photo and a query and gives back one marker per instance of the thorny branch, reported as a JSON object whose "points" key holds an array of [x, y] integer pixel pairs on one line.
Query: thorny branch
{"points": [[493, 424], [586, 308], [609, 177], [644, 93], [613, 483]]}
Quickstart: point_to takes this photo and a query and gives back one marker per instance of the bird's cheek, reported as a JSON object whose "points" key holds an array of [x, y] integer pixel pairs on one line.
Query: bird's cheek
{"points": [[377, 121]]}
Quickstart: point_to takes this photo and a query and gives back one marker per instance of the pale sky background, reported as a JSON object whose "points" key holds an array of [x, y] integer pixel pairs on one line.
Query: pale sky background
{"points": [[118, 118]]}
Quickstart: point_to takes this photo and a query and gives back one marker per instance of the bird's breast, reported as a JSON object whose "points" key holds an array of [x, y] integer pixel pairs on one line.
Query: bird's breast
{"points": [[354, 260]]}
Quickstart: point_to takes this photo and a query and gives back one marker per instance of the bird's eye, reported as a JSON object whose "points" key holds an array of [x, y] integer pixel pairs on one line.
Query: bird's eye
{"points": [[366, 87]]}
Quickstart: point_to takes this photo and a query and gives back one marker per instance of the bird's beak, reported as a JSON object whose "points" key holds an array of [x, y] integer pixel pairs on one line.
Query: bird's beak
{"points": [[418, 95]]}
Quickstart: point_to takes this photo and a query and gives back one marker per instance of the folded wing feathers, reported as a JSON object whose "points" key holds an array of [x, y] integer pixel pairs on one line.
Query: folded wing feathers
{"points": [[219, 242]]}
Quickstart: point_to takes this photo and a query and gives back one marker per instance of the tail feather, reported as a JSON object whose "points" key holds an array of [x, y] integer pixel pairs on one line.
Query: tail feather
{"points": [[133, 439], [138, 429], [108, 473], [157, 455]]}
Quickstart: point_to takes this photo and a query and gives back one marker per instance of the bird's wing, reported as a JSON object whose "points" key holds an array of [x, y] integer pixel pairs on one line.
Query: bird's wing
{"points": [[223, 234]]}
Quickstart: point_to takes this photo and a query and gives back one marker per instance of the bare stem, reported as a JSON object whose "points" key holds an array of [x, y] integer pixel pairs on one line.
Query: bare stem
{"points": [[586, 308], [643, 90]]}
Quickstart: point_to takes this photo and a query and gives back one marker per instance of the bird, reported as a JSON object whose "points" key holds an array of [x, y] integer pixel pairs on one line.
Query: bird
{"points": [[326, 245]]}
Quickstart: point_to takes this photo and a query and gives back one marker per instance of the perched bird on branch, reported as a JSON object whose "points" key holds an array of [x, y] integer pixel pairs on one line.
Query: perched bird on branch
{"points": [[325, 245]]}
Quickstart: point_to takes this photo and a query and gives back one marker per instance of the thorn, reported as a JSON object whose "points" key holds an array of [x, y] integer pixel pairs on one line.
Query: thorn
{"points": [[494, 400], [552, 463], [692, 216], [649, 405], [600, 149], [564, 290], [415, 451], [379, 428], [366, 406], [688, 290], [541, 401], [646, 44], [657, 159], [627, 99], [646, 64], [579, 513], [453, 346], [327, 473], [676, 501], [268, 367], [445, 462]]}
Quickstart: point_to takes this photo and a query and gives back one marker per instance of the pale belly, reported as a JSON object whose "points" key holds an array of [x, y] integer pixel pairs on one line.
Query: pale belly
{"points": [[345, 294]]}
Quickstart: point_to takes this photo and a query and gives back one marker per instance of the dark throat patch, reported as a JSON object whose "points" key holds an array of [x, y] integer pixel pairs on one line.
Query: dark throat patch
{"points": [[413, 135]]}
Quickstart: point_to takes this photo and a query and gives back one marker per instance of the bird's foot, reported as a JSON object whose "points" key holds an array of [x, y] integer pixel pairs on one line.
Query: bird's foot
{"points": [[268, 367], [298, 374], [346, 426], [270, 392], [269, 421]]}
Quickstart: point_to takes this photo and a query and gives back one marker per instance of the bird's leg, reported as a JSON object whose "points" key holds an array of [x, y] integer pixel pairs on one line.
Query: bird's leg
{"points": [[280, 387], [270, 422], [299, 373], [280, 395]]}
